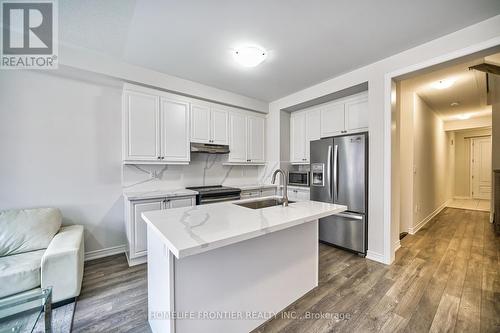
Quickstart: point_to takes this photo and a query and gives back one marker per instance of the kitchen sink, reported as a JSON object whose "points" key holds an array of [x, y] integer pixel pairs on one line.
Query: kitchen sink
{"points": [[258, 204]]}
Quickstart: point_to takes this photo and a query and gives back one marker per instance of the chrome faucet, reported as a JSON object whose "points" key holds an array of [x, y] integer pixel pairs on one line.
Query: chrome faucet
{"points": [[284, 181]]}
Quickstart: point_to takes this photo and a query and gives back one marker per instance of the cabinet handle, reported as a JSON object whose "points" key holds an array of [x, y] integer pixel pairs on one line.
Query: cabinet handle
{"points": [[158, 157], [163, 157]]}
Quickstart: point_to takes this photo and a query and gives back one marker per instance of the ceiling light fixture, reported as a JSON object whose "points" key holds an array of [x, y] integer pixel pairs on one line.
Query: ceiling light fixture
{"points": [[454, 104], [249, 56], [464, 116], [443, 84]]}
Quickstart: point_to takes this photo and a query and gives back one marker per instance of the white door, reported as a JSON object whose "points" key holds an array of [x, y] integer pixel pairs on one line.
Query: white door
{"points": [[481, 168], [141, 127], [174, 117], [356, 114], [219, 120], [200, 123], [255, 143], [140, 227], [298, 137], [237, 138], [313, 130], [332, 119]]}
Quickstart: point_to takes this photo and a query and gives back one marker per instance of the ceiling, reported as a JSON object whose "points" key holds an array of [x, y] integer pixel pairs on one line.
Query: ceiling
{"points": [[307, 41], [468, 89]]}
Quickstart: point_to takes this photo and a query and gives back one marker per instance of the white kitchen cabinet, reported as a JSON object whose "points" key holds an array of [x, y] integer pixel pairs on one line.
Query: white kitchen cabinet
{"points": [[174, 132], [237, 137], [209, 124], [141, 127], [298, 194], [332, 119], [356, 114], [136, 228], [155, 129], [246, 139], [298, 137], [255, 143], [305, 126], [257, 193], [348, 115]]}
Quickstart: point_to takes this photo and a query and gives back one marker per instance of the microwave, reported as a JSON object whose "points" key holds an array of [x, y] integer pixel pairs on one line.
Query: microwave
{"points": [[298, 178]]}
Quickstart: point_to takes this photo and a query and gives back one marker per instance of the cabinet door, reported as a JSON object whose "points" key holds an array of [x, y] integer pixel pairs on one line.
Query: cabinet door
{"points": [[250, 194], [303, 195], [356, 114], [237, 138], [267, 192], [181, 202], [200, 123], [141, 127], [332, 119], [140, 242], [219, 121], [255, 137], [298, 137], [313, 130], [174, 117]]}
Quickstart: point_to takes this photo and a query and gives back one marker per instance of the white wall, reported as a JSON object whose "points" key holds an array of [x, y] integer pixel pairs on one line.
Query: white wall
{"points": [[474, 38], [60, 142], [462, 160], [433, 163]]}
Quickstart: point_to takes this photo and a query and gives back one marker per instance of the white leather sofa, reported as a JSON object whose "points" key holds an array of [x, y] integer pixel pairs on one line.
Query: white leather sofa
{"points": [[35, 251]]}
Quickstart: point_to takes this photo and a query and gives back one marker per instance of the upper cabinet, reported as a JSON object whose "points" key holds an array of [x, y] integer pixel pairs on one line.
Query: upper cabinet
{"points": [[209, 124], [305, 126], [156, 129], [142, 127], [347, 115], [246, 139]]}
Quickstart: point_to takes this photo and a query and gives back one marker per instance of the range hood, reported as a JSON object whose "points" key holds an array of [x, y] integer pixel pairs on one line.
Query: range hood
{"points": [[209, 148]]}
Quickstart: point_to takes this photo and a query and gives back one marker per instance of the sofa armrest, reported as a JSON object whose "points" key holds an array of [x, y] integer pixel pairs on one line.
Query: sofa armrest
{"points": [[62, 263]]}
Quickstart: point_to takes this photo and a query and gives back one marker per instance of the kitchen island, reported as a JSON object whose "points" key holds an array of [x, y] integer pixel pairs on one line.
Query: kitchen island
{"points": [[228, 268]]}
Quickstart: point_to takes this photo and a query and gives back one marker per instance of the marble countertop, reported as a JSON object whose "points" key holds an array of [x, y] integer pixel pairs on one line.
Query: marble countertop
{"points": [[160, 193], [191, 230]]}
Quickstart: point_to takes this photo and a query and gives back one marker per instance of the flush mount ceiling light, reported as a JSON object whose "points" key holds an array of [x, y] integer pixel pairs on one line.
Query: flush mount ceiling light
{"points": [[249, 56], [454, 104], [464, 116], [443, 84]]}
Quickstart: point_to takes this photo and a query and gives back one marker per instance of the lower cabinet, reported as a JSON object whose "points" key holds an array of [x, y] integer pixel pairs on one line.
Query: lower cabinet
{"points": [[299, 194], [257, 193], [136, 228]]}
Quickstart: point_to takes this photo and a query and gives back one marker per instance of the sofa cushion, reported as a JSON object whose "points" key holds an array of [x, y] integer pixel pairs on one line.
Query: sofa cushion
{"points": [[27, 230], [20, 272]]}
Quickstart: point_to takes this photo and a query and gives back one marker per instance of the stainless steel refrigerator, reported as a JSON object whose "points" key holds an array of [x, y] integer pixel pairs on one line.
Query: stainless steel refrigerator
{"points": [[339, 174]]}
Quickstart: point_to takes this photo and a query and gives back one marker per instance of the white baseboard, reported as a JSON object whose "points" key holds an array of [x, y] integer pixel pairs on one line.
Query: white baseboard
{"points": [[397, 245], [91, 255], [418, 226], [462, 198], [375, 256]]}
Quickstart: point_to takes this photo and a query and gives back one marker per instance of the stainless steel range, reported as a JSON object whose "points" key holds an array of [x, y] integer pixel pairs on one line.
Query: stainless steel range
{"points": [[216, 193]]}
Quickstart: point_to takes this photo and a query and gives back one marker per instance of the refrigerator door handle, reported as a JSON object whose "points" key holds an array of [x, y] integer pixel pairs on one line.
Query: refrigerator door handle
{"points": [[328, 171], [335, 173], [350, 216]]}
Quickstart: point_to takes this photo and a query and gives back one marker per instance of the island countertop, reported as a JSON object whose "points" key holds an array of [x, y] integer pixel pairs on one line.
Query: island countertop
{"points": [[191, 230]]}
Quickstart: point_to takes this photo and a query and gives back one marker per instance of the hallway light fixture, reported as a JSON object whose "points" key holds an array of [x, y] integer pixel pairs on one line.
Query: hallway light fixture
{"points": [[443, 84], [249, 56], [463, 116]]}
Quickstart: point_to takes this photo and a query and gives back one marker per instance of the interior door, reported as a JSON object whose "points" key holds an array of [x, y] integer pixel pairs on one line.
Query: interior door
{"points": [[200, 123], [174, 130], [219, 122], [481, 167]]}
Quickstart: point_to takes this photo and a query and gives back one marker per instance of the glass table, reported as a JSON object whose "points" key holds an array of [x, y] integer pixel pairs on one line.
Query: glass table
{"points": [[21, 312]]}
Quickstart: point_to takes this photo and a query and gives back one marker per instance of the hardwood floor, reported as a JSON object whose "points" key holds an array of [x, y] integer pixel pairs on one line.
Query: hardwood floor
{"points": [[444, 278]]}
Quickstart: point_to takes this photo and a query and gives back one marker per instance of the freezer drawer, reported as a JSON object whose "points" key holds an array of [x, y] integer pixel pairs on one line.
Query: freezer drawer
{"points": [[346, 230]]}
